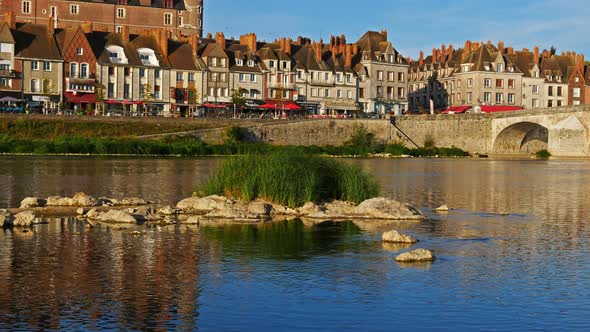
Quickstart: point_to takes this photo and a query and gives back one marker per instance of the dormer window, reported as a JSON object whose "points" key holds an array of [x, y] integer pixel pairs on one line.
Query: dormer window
{"points": [[577, 79], [465, 68], [240, 62], [168, 3], [500, 67], [271, 64], [391, 58], [251, 63], [558, 78], [113, 55], [148, 57]]}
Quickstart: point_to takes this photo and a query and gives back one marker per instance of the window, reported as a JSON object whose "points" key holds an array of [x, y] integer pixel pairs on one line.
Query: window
{"points": [[338, 93], [469, 97], [511, 84], [550, 91], [326, 93], [126, 90], [179, 76], [119, 29], [380, 75], [26, 7], [141, 72], [559, 91], [535, 89], [111, 71], [500, 67], [487, 97], [167, 19], [74, 69], [121, 12], [401, 93], [535, 103], [239, 62], [126, 71], [349, 94], [576, 102], [111, 90], [314, 92], [34, 65], [465, 68], [74, 9], [242, 77], [470, 83], [499, 83], [156, 92], [511, 98], [550, 103], [339, 77], [79, 51], [84, 70], [251, 63], [326, 77], [348, 78], [4, 82], [499, 98], [576, 92], [191, 77], [577, 79], [53, 11], [487, 82], [156, 73], [390, 76], [252, 78], [34, 85], [271, 64], [46, 66]]}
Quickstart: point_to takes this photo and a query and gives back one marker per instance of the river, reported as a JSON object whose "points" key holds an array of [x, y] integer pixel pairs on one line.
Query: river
{"points": [[513, 255]]}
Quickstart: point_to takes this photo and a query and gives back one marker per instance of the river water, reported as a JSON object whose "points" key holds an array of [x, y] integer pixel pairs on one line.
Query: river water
{"points": [[513, 255]]}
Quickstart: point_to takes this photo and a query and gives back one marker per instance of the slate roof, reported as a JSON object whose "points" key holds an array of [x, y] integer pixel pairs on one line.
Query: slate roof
{"points": [[34, 41], [181, 56], [6, 35], [99, 40]]}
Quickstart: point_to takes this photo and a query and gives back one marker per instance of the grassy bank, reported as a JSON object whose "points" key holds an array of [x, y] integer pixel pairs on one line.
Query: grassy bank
{"points": [[193, 147], [290, 179], [53, 127]]}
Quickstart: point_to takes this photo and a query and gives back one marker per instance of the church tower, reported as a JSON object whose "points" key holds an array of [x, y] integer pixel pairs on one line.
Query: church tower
{"points": [[192, 18]]}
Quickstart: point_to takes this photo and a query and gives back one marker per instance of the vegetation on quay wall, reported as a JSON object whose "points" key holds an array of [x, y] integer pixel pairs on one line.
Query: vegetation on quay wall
{"points": [[290, 179], [191, 147], [543, 154]]}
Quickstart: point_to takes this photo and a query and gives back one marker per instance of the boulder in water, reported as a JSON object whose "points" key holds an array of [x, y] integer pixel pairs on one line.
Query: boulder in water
{"points": [[31, 202], [396, 237], [24, 219], [418, 255], [385, 208], [442, 209], [117, 216]]}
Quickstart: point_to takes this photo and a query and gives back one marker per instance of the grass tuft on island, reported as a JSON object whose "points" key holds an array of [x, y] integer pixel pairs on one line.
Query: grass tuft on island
{"points": [[290, 179], [191, 147]]}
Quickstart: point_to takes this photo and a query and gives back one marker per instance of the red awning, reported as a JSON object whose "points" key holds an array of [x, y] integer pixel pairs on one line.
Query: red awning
{"points": [[214, 105], [79, 98], [113, 102], [456, 110], [495, 109], [281, 105]]}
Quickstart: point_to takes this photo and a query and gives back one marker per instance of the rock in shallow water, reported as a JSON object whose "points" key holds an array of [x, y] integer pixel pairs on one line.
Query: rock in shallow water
{"points": [[205, 204], [418, 255], [31, 202], [116, 216], [442, 208], [24, 219], [397, 237], [385, 208]]}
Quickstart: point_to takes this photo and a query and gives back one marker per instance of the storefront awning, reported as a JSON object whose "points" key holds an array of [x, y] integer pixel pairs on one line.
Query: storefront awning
{"points": [[79, 97], [214, 105]]}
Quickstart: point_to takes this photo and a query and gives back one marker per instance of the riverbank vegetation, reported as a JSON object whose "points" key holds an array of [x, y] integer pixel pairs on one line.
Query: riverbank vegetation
{"points": [[290, 179], [543, 154], [191, 147]]}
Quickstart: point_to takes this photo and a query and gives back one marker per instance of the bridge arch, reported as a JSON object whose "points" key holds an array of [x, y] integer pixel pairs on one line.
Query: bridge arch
{"points": [[522, 138]]}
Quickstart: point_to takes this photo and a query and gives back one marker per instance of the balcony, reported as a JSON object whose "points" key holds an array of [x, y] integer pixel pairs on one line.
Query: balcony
{"points": [[279, 85], [321, 82], [91, 79], [8, 73]]}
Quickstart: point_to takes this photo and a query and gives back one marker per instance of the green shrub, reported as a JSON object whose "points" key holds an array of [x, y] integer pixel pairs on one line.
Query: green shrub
{"points": [[396, 149], [543, 154], [429, 142], [290, 179], [234, 134]]}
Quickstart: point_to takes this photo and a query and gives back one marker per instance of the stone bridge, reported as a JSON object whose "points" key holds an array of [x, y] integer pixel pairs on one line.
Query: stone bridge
{"points": [[563, 131]]}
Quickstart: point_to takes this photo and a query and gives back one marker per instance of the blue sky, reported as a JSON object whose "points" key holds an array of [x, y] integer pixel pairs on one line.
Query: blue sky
{"points": [[413, 25]]}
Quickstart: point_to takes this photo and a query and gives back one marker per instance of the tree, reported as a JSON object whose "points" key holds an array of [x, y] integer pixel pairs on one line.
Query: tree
{"points": [[99, 96], [193, 96], [553, 50], [237, 98], [146, 94]]}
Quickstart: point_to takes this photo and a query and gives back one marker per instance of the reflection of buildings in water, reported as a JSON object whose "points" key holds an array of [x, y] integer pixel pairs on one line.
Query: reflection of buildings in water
{"points": [[94, 274]]}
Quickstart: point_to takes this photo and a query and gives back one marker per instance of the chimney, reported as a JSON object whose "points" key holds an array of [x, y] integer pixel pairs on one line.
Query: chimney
{"points": [[87, 27], [317, 49], [581, 61], [450, 51], [475, 46], [501, 46], [421, 60], [536, 55], [348, 56], [489, 42], [546, 54], [355, 49], [434, 55], [443, 50], [125, 34], [250, 41], [209, 35], [288, 43], [384, 34], [510, 50], [50, 26], [466, 49], [193, 41], [220, 39], [525, 50], [10, 19]]}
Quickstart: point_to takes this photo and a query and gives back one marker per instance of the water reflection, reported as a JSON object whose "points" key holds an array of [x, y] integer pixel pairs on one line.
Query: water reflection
{"points": [[63, 275], [283, 239]]}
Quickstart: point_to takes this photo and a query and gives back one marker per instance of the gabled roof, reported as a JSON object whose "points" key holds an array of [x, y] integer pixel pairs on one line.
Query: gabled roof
{"points": [[100, 40], [64, 37], [306, 58], [181, 56], [34, 41], [145, 41], [6, 35]]}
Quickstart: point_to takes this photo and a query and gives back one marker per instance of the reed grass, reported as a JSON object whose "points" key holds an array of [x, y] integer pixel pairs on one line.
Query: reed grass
{"points": [[290, 179]]}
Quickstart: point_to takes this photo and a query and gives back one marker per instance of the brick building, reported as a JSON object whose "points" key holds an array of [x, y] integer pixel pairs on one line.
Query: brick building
{"points": [[177, 16]]}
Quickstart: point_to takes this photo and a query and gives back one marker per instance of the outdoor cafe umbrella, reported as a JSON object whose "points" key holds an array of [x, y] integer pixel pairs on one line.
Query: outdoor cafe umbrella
{"points": [[9, 99]]}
